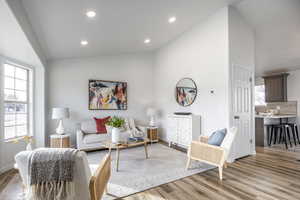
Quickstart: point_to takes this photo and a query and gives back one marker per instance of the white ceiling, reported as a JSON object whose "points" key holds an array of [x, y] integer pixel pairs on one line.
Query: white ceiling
{"points": [[277, 28], [120, 25], [13, 42]]}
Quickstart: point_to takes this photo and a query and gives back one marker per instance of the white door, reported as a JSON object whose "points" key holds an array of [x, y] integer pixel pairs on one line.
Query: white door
{"points": [[242, 110]]}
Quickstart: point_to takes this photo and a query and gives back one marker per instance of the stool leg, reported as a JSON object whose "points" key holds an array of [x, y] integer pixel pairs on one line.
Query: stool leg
{"points": [[280, 135], [288, 134], [296, 129], [294, 135], [275, 135], [270, 141], [284, 138]]}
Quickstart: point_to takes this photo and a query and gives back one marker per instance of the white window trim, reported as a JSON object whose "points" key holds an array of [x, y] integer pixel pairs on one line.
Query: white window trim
{"points": [[31, 109]]}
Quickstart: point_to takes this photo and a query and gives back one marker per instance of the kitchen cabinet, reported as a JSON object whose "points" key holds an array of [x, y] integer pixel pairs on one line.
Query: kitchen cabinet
{"points": [[276, 88]]}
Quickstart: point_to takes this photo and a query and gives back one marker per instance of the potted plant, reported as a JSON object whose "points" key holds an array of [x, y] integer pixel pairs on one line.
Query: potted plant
{"points": [[116, 123]]}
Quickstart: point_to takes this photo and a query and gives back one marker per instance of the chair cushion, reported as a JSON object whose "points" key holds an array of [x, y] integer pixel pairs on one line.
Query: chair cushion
{"points": [[100, 124], [95, 138], [217, 137]]}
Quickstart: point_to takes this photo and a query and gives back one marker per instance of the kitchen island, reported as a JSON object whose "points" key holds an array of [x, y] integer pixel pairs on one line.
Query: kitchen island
{"points": [[261, 135]]}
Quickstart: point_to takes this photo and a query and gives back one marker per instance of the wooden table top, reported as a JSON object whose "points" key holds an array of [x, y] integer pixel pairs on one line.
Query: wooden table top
{"points": [[109, 144]]}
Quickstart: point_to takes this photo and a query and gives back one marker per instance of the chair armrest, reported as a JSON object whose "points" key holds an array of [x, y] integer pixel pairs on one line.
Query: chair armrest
{"points": [[203, 139], [211, 154]]}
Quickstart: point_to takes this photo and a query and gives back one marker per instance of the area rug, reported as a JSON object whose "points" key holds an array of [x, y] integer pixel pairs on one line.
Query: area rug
{"points": [[137, 174]]}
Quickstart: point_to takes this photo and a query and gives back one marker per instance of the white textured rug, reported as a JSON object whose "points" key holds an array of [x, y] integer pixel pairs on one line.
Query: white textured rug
{"points": [[137, 174]]}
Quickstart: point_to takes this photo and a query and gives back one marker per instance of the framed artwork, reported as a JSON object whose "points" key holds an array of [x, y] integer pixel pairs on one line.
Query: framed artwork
{"points": [[107, 95]]}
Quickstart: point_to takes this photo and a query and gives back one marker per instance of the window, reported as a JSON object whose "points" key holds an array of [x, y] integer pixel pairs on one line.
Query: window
{"points": [[260, 95], [16, 101]]}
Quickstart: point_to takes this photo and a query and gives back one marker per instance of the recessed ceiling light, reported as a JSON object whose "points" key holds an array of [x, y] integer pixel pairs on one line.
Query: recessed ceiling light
{"points": [[147, 41], [84, 42], [172, 20], [90, 14]]}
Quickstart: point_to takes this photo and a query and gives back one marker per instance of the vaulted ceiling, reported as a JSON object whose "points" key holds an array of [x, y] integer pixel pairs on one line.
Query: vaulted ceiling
{"points": [[120, 26]]}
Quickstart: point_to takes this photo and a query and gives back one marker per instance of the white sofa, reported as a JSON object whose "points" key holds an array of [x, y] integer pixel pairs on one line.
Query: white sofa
{"points": [[82, 173], [88, 139]]}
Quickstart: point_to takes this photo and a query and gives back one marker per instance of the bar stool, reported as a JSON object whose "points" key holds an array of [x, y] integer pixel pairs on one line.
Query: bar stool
{"points": [[284, 135], [294, 128]]}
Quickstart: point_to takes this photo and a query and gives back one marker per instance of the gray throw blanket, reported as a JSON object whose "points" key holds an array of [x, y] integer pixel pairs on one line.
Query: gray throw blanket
{"points": [[51, 174]]}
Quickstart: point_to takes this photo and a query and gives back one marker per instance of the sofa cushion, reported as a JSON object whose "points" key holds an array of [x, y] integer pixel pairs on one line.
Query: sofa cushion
{"points": [[89, 126], [95, 138], [100, 124], [217, 137]]}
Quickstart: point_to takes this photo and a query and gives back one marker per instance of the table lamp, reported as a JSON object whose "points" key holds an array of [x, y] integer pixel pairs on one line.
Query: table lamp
{"points": [[151, 112], [60, 114]]}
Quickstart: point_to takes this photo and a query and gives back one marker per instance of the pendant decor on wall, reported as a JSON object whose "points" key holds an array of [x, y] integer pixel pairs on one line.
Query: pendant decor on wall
{"points": [[107, 95]]}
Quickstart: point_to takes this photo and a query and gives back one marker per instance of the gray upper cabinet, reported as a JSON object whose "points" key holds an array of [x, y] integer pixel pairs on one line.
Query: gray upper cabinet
{"points": [[276, 88]]}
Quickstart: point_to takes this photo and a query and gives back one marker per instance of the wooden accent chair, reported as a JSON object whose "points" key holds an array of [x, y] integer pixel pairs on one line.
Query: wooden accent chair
{"points": [[210, 154], [98, 182]]}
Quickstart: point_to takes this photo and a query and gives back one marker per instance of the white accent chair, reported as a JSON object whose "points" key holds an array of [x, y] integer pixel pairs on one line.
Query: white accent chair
{"points": [[88, 139], [210, 154], [85, 183]]}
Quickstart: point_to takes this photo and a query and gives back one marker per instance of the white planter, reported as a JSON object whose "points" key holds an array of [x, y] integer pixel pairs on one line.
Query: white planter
{"points": [[115, 135]]}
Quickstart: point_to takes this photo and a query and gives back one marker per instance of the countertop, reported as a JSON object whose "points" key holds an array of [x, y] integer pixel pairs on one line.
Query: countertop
{"points": [[275, 116]]}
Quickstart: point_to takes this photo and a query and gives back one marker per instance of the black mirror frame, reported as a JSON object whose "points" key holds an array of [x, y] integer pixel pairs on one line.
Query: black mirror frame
{"points": [[195, 88]]}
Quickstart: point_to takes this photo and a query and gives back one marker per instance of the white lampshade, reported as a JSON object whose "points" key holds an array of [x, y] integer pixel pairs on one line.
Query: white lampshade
{"points": [[151, 111], [60, 113]]}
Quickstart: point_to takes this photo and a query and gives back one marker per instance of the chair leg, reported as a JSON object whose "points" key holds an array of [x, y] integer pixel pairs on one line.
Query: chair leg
{"points": [[221, 172], [106, 190], [188, 163]]}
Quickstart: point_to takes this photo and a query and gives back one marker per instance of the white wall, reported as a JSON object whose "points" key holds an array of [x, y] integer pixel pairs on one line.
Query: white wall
{"points": [[201, 54], [293, 88], [68, 86]]}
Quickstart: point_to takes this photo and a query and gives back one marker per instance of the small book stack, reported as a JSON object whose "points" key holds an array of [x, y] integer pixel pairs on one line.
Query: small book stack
{"points": [[135, 139]]}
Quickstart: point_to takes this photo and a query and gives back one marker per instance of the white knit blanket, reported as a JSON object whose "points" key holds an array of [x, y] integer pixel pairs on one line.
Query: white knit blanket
{"points": [[51, 174]]}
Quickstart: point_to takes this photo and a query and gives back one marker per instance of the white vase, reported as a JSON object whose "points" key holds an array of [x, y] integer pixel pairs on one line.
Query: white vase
{"points": [[115, 135], [28, 147]]}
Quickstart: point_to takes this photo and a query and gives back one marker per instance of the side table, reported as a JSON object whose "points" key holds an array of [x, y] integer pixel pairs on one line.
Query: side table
{"points": [[60, 141], [152, 134]]}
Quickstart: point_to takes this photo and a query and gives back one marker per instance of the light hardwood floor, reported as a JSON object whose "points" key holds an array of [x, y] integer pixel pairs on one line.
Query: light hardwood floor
{"points": [[270, 174]]}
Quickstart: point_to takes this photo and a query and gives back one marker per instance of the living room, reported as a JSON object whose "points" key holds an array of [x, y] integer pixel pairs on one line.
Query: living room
{"points": [[131, 86]]}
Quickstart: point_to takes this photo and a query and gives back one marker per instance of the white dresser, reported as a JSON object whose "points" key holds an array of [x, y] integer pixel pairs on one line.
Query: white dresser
{"points": [[182, 129]]}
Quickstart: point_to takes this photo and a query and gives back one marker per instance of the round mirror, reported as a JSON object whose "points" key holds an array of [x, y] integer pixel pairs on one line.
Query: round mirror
{"points": [[186, 92]]}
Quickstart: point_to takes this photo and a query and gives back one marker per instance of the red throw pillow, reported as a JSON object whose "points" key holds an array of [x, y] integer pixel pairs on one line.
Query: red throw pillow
{"points": [[100, 124]]}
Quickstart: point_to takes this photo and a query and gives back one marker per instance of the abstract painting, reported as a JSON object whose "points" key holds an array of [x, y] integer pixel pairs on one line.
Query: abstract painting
{"points": [[107, 95]]}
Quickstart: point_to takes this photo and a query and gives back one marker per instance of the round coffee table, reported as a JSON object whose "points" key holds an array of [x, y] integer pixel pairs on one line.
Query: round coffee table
{"points": [[118, 146]]}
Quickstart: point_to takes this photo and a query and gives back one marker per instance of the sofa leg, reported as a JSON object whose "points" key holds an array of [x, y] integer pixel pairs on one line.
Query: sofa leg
{"points": [[221, 172], [188, 163]]}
